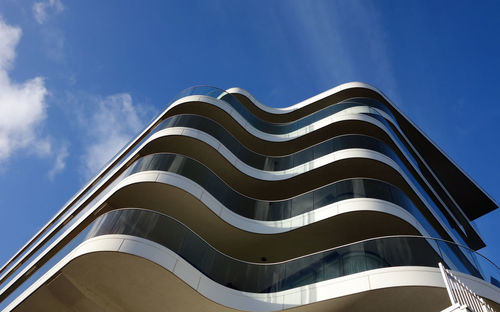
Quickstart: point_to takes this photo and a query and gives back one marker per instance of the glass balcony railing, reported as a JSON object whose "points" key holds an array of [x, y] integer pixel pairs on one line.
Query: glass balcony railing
{"points": [[382, 252], [336, 262], [278, 210]]}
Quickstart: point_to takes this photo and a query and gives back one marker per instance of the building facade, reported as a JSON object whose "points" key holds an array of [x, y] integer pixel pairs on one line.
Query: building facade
{"points": [[338, 203]]}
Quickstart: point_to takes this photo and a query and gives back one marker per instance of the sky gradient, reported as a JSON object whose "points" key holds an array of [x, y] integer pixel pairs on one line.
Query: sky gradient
{"points": [[79, 79]]}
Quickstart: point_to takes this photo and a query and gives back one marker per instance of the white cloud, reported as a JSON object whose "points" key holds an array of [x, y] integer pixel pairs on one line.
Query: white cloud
{"points": [[22, 105], [60, 162], [40, 9], [9, 38], [113, 122]]}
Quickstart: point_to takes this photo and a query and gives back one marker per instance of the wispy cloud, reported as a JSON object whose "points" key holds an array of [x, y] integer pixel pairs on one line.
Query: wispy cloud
{"points": [[343, 41], [53, 43], [41, 9], [111, 123], [52, 35], [60, 161], [316, 26], [22, 105]]}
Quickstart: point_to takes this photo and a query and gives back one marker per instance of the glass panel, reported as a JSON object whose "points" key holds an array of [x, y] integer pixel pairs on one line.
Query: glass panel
{"points": [[353, 259], [302, 204]]}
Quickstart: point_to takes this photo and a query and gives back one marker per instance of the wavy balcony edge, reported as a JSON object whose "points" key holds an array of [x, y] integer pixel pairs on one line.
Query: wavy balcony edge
{"points": [[140, 252], [460, 180]]}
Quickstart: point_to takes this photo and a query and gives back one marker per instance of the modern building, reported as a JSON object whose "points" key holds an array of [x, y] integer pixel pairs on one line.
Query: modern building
{"points": [[338, 203]]}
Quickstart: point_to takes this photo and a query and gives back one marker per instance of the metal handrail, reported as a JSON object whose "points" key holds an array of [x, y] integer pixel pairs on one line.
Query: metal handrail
{"points": [[460, 294]]}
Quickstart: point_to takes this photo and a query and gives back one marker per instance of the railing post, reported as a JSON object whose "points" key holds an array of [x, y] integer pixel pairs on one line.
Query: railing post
{"points": [[484, 307], [447, 284], [461, 295]]}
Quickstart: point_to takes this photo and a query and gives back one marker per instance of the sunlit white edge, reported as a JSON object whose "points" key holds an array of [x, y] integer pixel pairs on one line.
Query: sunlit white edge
{"points": [[247, 301], [285, 110], [271, 227], [207, 100]]}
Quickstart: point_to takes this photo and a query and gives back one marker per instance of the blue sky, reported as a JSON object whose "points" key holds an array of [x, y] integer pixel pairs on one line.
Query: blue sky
{"points": [[66, 66]]}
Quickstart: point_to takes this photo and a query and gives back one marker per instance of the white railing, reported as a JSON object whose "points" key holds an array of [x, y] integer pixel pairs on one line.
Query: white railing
{"points": [[460, 295]]}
